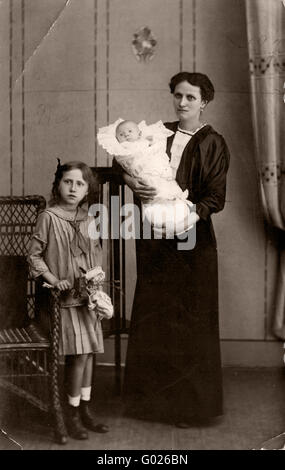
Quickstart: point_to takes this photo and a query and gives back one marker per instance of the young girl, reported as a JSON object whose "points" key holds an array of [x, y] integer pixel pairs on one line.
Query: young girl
{"points": [[59, 252]]}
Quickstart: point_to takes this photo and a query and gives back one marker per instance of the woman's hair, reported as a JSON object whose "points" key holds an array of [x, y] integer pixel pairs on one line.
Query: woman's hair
{"points": [[195, 79], [87, 175]]}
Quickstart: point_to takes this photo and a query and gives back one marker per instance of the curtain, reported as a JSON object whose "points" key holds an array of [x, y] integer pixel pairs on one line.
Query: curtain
{"points": [[266, 43]]}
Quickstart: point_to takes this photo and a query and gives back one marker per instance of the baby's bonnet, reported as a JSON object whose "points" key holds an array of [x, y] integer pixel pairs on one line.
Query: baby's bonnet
{"points": [[107, 136]]}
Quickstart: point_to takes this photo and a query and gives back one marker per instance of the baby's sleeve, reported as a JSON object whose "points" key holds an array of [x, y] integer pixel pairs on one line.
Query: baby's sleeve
{"points": [[37, 246]]}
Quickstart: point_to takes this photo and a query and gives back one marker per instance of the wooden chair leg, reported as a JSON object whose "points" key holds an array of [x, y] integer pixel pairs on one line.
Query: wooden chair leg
{"points": [[118, 362], [60, 428]]}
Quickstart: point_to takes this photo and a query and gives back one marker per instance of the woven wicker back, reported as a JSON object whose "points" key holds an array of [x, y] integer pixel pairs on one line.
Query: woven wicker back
{"points": [[18, 215]]}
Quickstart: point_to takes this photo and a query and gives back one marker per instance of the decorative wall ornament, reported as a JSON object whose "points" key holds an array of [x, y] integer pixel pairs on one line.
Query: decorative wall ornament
{"points": [[144, 44]]}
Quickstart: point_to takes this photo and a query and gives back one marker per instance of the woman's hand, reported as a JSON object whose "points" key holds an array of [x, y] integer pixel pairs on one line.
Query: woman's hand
{"points": [[189, 222], [142, 190], [62, 285]]}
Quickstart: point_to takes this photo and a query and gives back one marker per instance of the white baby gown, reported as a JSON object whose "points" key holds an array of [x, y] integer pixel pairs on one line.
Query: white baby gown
{"points": [[147, 160]]}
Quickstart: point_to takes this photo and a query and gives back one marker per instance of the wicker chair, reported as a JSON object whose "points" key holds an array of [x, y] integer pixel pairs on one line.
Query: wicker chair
{"points": [[28, 355]]}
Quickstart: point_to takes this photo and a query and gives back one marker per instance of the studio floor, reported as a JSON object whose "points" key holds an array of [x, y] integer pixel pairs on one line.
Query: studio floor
{"points": [[254, 406]]}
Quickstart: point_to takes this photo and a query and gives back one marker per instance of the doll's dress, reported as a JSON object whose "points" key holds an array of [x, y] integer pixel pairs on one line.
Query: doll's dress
{"points": [[92, 284], [147, 160]]}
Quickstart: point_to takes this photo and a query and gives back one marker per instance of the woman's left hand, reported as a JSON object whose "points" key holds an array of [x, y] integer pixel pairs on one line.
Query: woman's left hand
{"points": [[189, 222]]}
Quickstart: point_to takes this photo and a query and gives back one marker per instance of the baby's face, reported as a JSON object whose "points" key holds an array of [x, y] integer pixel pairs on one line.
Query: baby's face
{"points": [[128, 132]]}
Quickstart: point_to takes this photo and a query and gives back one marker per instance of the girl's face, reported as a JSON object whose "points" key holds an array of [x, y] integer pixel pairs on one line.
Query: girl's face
{"points": [[188, 102], [72, 188]]}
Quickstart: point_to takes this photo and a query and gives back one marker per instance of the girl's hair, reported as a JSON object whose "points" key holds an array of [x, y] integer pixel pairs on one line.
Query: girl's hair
{"points": [[196, 79], [87, 175]]}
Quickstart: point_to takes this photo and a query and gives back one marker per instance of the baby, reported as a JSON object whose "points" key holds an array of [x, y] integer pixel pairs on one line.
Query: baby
{"points": [[128, 131], [141, 152]]}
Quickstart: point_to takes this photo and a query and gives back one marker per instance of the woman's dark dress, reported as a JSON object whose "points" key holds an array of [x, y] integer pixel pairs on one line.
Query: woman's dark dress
{"points": [[173, 367]]}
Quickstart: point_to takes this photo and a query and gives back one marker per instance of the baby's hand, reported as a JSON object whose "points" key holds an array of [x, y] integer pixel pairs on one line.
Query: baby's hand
{"points": [[62, 285]]}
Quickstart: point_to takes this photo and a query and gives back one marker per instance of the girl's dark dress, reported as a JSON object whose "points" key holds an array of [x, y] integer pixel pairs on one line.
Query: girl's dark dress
{"points": [[173, 366]]}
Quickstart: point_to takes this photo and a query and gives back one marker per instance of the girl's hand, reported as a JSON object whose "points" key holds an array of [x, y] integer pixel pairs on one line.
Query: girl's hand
{"points": [[142, 190], [62, 285]]}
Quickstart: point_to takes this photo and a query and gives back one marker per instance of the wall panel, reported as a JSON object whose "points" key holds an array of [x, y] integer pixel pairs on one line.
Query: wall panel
{"points": [[221, 52], [59, 124], [162, 17], [5, 153], [40, 16], [221, 43], [64, 58]]}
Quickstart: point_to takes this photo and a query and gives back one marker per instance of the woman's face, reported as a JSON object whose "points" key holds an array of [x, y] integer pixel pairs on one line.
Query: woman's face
{"points": [[187, 101]]}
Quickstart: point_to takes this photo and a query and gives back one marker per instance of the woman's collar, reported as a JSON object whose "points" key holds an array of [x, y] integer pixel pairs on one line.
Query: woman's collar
{"points": [[194, 131]]}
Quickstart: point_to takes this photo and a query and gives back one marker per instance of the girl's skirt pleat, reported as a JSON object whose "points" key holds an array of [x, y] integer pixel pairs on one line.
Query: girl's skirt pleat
{"points": [[81, 331]]}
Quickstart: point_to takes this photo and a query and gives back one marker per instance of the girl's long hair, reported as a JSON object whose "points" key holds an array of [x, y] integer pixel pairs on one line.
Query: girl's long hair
{"points": [[87, 175]]}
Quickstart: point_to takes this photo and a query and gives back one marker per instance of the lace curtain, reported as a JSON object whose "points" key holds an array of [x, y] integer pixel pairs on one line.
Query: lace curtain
{"points": [[266, 42]]}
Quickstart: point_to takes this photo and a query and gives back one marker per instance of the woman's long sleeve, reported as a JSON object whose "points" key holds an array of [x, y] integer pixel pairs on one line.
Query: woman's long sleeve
{"points": [[213, 191]]}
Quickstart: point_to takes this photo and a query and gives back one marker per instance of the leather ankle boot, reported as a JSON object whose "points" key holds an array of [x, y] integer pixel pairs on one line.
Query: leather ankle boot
{"points": [[74, 424], [89, 421]]}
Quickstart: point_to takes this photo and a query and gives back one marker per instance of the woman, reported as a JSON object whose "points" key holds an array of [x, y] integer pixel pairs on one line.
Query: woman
{"points": [[173, 366]]}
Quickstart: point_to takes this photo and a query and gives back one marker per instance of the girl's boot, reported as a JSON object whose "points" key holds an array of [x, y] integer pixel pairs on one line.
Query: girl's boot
{"points": [[74, 424], [88, 420]]}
